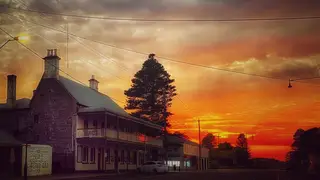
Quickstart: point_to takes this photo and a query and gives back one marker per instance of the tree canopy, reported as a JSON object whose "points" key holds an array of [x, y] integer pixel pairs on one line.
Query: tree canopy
{"points": [[242, 152], [305, 153], [242, 141], [209, 141], [151, 93], [181, 135]]}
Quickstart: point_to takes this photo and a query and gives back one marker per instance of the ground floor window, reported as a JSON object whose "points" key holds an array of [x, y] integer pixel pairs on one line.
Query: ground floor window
{"points": [[187, 163], [107, 155], [135, 156], [84, 154], [92, 155], [79, 150], [173, 163], [122, 157], [128, 157]]}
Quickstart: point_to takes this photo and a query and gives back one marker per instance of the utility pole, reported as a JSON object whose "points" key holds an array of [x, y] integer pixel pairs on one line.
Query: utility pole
{"points": [[117, 148], [67, 45], [165, 128], [199, 161]]}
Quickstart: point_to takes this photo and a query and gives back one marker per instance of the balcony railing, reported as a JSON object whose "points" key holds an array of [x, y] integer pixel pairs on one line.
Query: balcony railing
{"points": [[124, 136]]}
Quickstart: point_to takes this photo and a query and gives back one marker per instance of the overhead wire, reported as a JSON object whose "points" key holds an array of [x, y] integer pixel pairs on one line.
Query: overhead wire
{"points": [[50, 28], [169, 59], [39, 56], [171, 20]]}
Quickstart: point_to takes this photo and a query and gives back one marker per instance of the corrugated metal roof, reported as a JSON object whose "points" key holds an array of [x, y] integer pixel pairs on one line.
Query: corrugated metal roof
{"points": [[95, 100]]}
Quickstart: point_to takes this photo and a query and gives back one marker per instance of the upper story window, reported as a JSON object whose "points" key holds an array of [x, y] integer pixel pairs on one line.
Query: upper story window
{"points": [[102, 125], [36, 119], [85, 124], [95, 124]]}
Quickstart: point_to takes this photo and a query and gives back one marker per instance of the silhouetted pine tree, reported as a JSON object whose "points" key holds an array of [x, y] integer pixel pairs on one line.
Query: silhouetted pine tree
{"points": [[151, 93]]}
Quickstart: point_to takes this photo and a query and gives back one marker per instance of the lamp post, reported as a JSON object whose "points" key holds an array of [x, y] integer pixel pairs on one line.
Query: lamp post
{"points": [[290, 86], [25, 169], [13, 39]]}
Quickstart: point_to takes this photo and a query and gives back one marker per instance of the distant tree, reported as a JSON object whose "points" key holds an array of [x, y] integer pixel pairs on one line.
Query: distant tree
{"points": [[209, 141], [151, 93], [181, 135], [242, 153], [225, 146], [242, 141]]}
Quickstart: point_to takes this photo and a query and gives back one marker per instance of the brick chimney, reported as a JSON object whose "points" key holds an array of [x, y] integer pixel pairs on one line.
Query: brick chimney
{"points": [[51, 64], [11, 90], [93, 83]]}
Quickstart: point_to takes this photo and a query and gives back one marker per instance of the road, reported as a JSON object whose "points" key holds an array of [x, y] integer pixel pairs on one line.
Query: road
{"points": [[205, 175]]}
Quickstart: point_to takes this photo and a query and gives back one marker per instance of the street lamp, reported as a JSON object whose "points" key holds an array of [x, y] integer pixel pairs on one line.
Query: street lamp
{"points": [[290, 86], [13, 39], [25, 168]]}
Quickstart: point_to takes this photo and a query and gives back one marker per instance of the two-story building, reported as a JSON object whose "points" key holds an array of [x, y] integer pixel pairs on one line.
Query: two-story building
{"points": [[87, 130], [184, 153]]}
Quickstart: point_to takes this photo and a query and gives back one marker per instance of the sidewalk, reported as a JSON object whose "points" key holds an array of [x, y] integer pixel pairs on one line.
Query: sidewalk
{"points": [[69, 176]]}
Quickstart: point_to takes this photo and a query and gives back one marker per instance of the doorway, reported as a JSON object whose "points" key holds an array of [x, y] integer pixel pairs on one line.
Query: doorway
{"points": [[101, 159], [116, 160]]}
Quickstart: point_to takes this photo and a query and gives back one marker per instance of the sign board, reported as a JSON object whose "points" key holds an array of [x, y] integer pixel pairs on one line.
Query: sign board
{"points": [[39, 159]]}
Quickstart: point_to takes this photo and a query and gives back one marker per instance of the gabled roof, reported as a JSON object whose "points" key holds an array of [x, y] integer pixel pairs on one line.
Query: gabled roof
{"points": [[96, 101], [86, 96]]}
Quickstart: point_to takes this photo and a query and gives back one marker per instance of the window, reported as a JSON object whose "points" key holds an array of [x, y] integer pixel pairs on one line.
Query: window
{"points": [[85, 151], [128, 157], [102, 125], [135, 157], [85, 124], [95, 124], [107, 155], [36, 119], [122, 157], [79, 150], [92, 155], [37, 137]]}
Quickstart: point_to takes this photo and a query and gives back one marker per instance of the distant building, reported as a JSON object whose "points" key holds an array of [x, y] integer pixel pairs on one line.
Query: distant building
{"points": [[86, 129], [185, 154]]}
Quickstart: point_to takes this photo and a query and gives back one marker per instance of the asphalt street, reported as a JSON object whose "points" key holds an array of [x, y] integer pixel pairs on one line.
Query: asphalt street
{"points": [[211, 174]]}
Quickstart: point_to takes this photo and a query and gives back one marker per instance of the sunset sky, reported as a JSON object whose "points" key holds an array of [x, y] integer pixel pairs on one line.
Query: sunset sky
{"points": [[228, 103]]}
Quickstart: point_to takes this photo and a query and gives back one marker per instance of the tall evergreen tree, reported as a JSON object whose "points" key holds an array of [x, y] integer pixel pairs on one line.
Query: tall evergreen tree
{"points": [[151, 93]]}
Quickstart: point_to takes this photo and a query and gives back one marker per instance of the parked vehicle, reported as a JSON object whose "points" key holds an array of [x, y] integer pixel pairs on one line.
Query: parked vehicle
{"points": [[153, 167]]}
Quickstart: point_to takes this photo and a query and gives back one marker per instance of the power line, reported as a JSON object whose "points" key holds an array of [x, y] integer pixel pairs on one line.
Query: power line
{"points": [[172, 20], [88, 62], [164, 58], [35, 53]]}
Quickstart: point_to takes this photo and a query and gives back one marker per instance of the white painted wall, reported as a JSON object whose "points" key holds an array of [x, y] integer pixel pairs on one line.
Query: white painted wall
{"points": [[39, 159]]}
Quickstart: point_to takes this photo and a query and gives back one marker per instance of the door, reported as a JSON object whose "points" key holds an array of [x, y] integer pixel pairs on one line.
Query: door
{"points": [[99, 160], [116, 160]]}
